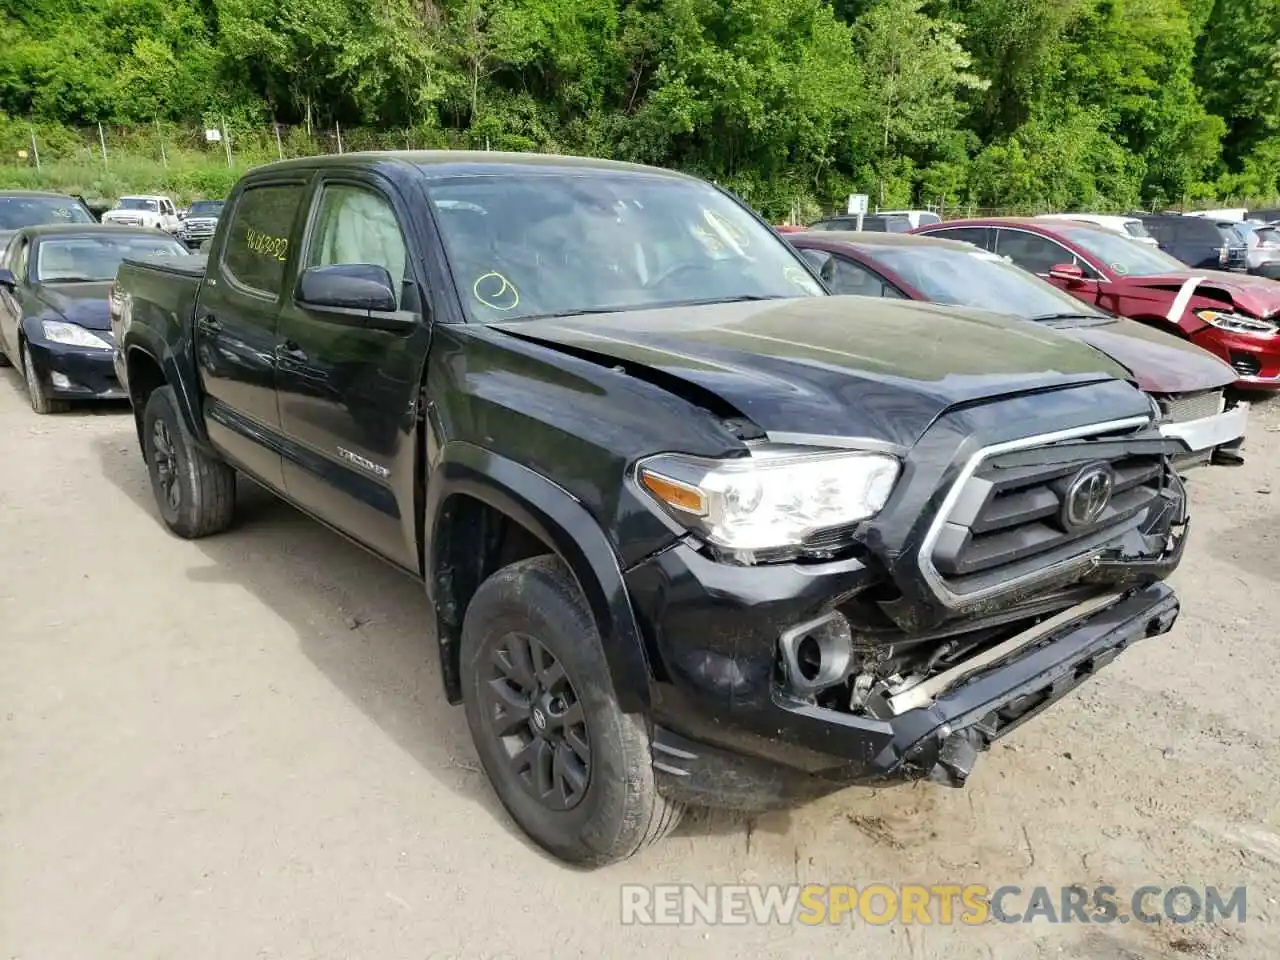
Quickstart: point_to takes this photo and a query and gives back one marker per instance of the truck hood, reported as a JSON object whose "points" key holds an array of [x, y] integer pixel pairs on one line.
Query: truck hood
{"points": [[1161, 362], [1257, 296], [81, 303], [833, 366]]}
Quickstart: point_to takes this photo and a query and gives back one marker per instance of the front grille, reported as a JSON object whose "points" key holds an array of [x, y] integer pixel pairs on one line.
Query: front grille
{"points": [[127, 221], [1238, 258], [1185, 407], [1011, 519]]}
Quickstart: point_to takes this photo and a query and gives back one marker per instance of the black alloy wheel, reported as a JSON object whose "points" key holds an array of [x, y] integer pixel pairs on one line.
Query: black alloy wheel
{"points": [[537, 718], [166, 464]]}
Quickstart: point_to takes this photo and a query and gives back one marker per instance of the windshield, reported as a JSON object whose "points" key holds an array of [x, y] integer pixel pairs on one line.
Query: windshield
{"points": [[1135, 228], [137, 203], [94, 259], [976, 278], [205, 208], [19, 212], [1123, 256], [559, 244]]}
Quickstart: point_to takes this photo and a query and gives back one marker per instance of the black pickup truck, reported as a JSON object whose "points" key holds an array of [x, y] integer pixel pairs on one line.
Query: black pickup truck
{"points": [[694, 531]]}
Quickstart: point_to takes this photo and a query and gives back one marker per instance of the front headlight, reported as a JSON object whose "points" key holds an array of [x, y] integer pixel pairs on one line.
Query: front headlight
{"points": [[73, 335], [775, 504], [1236, 323]]}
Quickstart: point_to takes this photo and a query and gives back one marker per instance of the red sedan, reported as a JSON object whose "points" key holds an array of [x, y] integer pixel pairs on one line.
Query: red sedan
{"points": [[1187, 382], [1231, 315]]}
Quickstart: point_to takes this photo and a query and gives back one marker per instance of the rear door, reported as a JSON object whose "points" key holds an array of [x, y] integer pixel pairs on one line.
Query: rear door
{"points": [[235, 325], [349, 391]]}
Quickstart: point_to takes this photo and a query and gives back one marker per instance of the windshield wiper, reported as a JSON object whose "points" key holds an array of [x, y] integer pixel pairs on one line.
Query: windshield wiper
{"points": [[1050, 317], [75, 279], [661, 305]]}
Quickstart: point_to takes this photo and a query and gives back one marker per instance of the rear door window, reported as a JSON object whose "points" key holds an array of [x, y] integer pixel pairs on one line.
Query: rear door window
{"points": [[979, 236], [850, 277], [257, 245]]}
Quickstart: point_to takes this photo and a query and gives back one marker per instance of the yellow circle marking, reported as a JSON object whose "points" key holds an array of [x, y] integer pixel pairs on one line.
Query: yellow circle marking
{"points": [[506, 288]]}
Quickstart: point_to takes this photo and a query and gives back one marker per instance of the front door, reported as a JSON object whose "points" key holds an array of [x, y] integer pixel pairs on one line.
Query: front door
{"points": [[235, 327], [1039, 254], [348, 392]]}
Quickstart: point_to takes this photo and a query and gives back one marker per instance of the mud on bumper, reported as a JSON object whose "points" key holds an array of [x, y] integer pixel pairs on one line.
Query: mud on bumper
{"points": [[938, 741]]}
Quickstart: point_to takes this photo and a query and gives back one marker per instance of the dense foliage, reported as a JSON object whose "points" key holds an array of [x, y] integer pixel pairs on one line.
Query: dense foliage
{"points": [[993, 103]]}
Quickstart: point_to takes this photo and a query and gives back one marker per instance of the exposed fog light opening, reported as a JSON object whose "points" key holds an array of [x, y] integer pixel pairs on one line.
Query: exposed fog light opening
{"points": [[60, 380], [816, 654]]}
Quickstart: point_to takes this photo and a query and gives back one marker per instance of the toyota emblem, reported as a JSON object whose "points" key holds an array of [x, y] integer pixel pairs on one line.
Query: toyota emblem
{"points": [[1087, 496]]}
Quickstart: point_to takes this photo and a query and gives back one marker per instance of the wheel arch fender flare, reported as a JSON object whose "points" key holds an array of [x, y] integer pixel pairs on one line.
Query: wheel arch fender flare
{"points": [[555, 516], [178, 375]]}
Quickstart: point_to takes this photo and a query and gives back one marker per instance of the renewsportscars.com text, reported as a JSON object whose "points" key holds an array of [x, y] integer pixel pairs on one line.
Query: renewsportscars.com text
{"points": [[941, 904]]}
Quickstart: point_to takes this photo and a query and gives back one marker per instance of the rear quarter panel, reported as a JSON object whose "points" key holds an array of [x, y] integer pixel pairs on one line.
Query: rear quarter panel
{"points": [[158, 304]]}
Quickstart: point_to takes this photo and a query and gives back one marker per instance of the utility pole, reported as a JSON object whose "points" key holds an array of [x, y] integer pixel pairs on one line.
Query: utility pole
{"points": [[279, 148], [226, 140], [35, 151], [102, 142], [164, 160], [338, 129]]}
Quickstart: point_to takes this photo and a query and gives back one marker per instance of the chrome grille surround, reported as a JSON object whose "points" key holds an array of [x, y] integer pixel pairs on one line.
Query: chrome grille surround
{"points": [[1079, 560]]}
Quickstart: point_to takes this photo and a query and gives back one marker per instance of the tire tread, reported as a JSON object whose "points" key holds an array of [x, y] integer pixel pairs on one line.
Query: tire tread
{"points": [[646, 816], [208, 501]]}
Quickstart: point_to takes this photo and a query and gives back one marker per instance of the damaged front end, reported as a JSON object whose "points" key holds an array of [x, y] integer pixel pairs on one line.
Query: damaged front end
{"points": [[998, 578], [1042, 563]]}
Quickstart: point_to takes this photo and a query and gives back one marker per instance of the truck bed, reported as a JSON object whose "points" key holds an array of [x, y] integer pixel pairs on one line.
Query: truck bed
{"points": [[162, 292]]}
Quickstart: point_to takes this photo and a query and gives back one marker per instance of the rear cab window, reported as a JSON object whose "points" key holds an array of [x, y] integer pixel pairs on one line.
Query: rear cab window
{"points": [[256, 249]]}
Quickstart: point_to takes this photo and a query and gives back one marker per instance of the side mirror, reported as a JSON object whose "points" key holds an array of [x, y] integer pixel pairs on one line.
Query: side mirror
{"points": [[182, 214], [1067, 272], [348, 286], [7, 279]]}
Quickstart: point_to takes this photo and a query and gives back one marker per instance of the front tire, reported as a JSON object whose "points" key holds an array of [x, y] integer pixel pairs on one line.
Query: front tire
{"points": [[41, 402], [196, 493], [571, 768]]}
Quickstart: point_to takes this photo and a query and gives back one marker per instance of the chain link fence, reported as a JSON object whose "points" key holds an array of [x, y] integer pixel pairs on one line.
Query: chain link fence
{"points": [[205, 159]]}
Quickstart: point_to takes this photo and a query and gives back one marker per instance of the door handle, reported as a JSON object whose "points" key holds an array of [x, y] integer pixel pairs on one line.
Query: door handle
{"points": [[209, 323], [291, 351]]}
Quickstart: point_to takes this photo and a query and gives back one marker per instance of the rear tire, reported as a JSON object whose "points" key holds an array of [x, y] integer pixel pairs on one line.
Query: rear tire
{"points": [[37, 393], [571, 768], [196, 493]]}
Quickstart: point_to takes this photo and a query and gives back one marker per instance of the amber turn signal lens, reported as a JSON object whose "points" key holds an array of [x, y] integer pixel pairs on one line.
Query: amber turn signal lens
{"points": [[677, 495]]}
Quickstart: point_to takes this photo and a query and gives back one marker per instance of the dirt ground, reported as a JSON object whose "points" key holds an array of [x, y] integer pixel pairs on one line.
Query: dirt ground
{"points": [[238, 748]]}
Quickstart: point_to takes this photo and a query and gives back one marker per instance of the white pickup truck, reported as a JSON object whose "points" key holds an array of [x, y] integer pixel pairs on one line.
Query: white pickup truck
{"points": [[145, 211]]}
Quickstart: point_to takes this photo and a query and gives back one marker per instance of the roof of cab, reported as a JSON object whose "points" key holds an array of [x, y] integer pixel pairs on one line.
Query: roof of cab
{"points": [[453, 163]]}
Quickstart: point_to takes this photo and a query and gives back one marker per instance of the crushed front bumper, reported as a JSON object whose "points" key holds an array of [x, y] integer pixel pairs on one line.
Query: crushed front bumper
{"points": [[939, 740], [1206, 437]]}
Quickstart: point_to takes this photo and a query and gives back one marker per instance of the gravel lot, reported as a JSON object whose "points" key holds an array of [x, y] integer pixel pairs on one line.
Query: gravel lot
{"points": [[238, 748]]}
